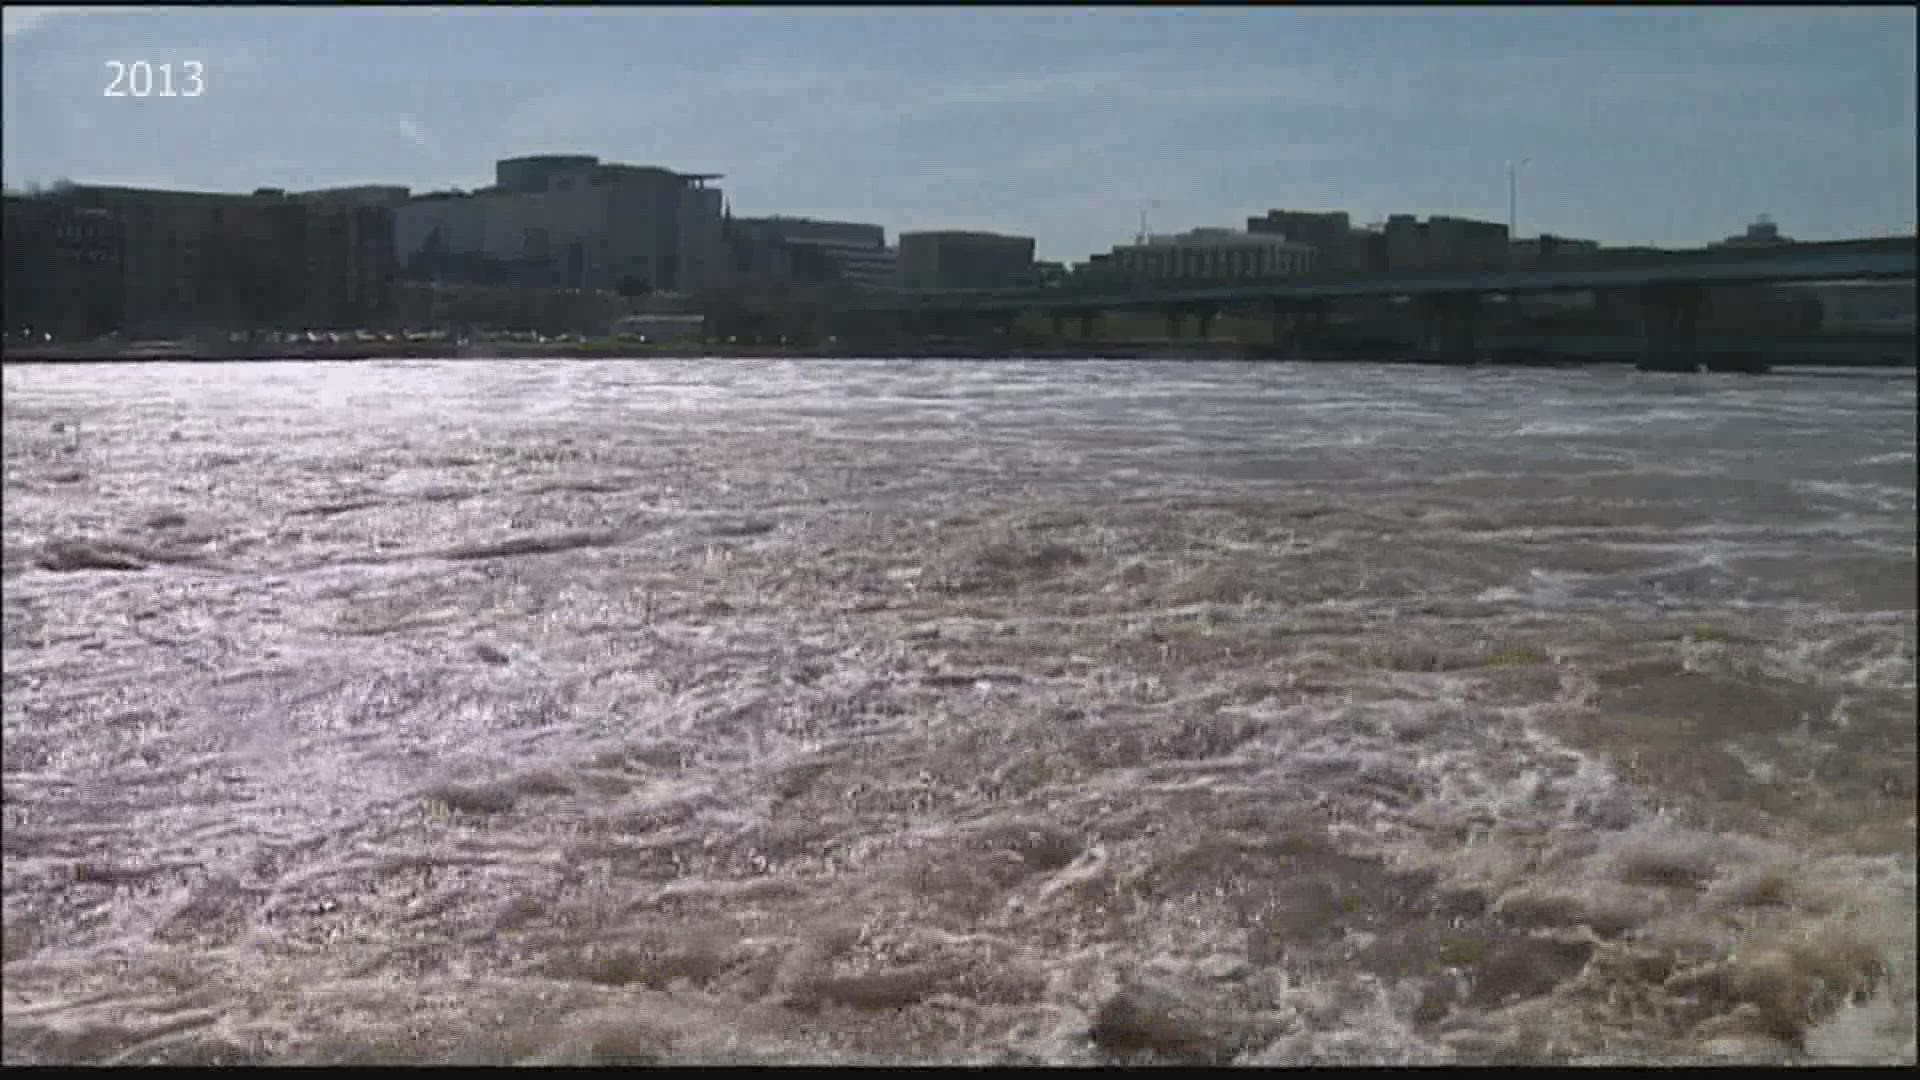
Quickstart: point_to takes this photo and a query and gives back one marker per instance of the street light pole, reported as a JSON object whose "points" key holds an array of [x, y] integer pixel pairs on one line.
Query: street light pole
{"points": [[1513, 197], [1150, 204]]}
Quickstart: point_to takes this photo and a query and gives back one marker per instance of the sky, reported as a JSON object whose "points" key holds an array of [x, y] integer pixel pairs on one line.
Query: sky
{"points": [[1637, 125]]}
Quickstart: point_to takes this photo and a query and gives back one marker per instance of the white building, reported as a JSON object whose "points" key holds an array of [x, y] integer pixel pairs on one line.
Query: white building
{"points": [[1214, 255], [1762, 233]]}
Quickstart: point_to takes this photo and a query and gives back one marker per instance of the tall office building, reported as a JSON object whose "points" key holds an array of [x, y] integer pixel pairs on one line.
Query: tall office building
{"points": [[64, 271], [570, 221], [204, 260]]}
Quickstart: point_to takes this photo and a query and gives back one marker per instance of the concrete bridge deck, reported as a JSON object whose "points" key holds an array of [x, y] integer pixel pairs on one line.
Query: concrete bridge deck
{"points": [[1887, 258], [1672, 289]]}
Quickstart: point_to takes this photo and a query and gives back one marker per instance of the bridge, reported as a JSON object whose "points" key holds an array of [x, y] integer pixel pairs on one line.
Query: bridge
{"points": [[1671, 286]]}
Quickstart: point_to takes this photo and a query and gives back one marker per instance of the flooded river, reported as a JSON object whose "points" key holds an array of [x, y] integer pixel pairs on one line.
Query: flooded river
{"points": [[943, 713]]}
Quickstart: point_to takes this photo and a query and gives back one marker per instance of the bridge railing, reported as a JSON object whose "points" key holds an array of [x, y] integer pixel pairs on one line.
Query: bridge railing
{"points": [[1120, 283], [1112, 287]]}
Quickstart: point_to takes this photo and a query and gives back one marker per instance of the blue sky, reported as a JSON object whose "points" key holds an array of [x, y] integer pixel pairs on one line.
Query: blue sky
{"points": [[1643, 125]]}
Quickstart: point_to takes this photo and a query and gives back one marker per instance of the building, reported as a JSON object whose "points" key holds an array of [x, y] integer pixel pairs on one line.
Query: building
{"points": [[389, 196], [807, 251], [953, 259], [184, 254], [196, 261], [1547, 250], [1214, 255], [64, 274], [1762, 233], [1444, 243], [1099, 271], [572, 222], [351, 268], [1406, 243], [1338, 247], [1464, 244], [542, 173], [1371, 249]]}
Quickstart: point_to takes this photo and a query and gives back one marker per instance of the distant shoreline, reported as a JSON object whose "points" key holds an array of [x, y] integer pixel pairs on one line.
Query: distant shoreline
{"points": [[1132, 351], [1200, 355], [946, 350]]}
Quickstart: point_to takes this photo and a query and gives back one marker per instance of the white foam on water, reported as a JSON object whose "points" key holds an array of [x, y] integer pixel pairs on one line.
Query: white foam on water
{"points": [[1898, 457], [683, 713]]}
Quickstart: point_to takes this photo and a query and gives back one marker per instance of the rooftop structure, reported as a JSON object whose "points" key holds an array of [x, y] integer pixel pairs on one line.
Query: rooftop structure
{"points": [[1762, 233]]}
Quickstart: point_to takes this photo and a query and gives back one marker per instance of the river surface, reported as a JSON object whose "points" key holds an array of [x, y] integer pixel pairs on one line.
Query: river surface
{"points": [[947, 713]]}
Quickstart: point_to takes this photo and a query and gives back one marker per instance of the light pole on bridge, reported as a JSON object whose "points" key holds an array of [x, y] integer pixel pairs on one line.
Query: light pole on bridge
{"points": [[1513, 197]]}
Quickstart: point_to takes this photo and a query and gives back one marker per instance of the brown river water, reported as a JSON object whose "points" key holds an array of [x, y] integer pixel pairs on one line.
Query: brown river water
{"points": [[946, 713]]}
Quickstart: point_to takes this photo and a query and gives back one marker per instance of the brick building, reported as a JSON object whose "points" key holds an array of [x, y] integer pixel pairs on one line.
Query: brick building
{"points": [[1338, 246], [1445, 243], [202, 261], [64, 272]]}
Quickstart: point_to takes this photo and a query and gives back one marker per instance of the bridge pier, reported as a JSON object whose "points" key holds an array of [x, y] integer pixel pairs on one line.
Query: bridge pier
{"points": [[1298, 327], [1177, 321], [1670, 327], [1450, 324], [1059, 326], [1089, 322]]}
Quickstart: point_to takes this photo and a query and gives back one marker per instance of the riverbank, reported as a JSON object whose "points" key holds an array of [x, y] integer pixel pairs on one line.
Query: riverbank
{"points": [[1157, 350], [1581, 353]]}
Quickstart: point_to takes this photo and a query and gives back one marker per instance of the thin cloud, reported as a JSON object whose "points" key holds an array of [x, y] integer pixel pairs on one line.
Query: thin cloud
{"points": [[1051, 123], [18, 20], [417, 134]]}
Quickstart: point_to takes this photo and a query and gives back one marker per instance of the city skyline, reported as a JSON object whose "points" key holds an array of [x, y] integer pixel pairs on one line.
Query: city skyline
{"points": [[1650, 126]]}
